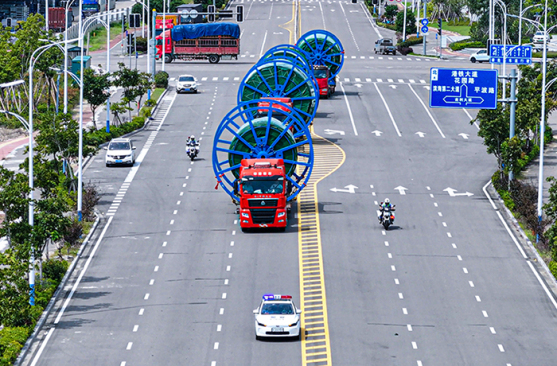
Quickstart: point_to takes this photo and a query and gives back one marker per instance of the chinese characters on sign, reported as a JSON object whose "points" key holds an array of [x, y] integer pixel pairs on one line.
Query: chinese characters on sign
{"points": [[516, 55], [463, 88]]}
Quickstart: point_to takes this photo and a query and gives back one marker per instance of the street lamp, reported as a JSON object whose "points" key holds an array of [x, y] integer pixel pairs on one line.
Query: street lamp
{"points": [[542, 123], [147, 10], [504, 8], [520, 20], [68, 6]]}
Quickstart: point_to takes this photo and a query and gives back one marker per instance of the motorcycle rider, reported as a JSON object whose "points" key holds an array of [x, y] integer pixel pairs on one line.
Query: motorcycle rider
{"points": [[385, 204], [192, 142]]}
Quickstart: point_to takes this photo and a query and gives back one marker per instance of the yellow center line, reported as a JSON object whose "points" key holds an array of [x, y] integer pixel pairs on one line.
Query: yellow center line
{"points": [[314, 319]]}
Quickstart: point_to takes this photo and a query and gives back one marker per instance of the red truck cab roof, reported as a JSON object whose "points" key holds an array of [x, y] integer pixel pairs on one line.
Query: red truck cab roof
{"points": [[267, 102], [262, 167]]}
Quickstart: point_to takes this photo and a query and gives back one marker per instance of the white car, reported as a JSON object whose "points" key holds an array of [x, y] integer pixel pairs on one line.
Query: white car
{"points": [[539, 37], [120, 151], [277, 316], [480, 56], [186, 83]]}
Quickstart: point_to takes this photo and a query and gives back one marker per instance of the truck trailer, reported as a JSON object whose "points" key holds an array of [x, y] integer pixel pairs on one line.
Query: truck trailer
{"points": [[212, 41]]}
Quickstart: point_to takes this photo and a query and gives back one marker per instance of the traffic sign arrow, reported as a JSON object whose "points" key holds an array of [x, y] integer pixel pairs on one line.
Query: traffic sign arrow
{"points": [[377, 133], [332, 132], [463, 98], [464, 135], [452, 193], [392, 86], [421, 134], [358, 85], [349, 189], [401, 190]]}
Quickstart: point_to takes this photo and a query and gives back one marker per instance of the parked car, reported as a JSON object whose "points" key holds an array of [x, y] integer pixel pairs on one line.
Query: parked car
{"points": [[480, 56], [539, 37], [120, 151], [186, 83], [385, 46]]}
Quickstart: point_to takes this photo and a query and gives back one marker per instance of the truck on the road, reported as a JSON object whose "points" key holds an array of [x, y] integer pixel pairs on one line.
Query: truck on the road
{"points": [[91, 7], [212, 41], [385, 46], [263, 189], [326, 83], [57, 19]]}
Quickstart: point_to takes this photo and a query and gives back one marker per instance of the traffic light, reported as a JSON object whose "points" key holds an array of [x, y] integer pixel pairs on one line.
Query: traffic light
{"points": [[131, 39], [9, 22], [240, 13], [211, 11], [124, 21], [135, 21], [375, 2], [440, 23]]}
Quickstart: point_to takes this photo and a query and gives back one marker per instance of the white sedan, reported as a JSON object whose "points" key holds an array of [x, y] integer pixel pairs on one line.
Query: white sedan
{"points": [[277, 316], [480, 56], [186, 83]]}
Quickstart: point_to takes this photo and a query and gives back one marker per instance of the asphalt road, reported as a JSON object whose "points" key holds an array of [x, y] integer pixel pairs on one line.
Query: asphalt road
{"points": [[173, 280]]}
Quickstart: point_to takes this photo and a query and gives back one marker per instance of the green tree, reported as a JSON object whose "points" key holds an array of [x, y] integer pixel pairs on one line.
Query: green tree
{"points": [[391, 11], [410, 21], [511, 153], [95, 89], [134, 83]]}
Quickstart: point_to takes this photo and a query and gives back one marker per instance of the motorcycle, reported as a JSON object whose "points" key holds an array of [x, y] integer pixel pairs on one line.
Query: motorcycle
{"points": [[387, 217], [192, 151]]}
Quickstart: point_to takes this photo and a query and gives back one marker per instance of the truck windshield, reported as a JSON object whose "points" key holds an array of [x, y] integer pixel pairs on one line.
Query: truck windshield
{"points": [[262, 185], [320, 74]]}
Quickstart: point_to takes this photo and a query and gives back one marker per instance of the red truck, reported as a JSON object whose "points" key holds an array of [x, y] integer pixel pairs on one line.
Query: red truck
{"points": [[212, 41], [326, 84], [263, 188], [57, 20]]}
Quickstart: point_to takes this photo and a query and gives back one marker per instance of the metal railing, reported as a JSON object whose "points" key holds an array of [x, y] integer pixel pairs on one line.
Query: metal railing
{"points": [[113, 16]]}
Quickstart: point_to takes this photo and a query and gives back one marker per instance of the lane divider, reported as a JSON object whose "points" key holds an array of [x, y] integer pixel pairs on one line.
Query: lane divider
{"points": [[314, 320]]}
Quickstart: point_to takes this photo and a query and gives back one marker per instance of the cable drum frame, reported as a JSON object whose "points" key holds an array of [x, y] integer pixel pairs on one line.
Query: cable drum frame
{"points": [[319, 55], [246, 113]]}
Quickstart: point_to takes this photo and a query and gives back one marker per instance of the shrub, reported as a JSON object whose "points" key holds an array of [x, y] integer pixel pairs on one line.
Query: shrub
{"points": [[553, 268], [550, 54], [404, 50], [11, 342], [384, 25], [161, 79], [55, 270], [410, 41], [466, 43]]}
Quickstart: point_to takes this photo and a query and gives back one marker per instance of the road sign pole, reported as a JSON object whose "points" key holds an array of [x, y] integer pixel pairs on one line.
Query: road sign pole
{"points": [[513, 112], [425, 36]]}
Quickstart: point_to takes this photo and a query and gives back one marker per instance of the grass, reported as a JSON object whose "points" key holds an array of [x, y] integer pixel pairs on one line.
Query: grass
{"points": [[157, 93], [97, 37], [463, 30]]}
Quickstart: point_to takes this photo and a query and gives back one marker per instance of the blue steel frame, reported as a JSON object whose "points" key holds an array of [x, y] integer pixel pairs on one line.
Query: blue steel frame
{"points": [[319, 55]]}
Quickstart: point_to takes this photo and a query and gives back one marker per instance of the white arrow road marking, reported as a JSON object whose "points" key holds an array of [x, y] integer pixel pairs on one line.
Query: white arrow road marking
{"points": [[401, 190], [277, 32], [452, 193], [426, 87], [350, 189], [358, 85], [392, 86], [464, 135], [421, 134], [332, 132], [377, 132]]}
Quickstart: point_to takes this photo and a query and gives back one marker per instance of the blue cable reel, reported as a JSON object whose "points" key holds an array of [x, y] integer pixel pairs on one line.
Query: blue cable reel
{"points": [[288, 51], [272, 131], [323, 48], [282, 78]]}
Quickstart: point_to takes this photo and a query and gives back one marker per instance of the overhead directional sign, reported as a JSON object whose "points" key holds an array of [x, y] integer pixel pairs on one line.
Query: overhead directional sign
{"points": [[516, 55], [463, 88]]}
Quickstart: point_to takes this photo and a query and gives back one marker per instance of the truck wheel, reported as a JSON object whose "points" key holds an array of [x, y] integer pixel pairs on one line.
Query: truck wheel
{"points": [[214, 59], [167, 58], [394, 52]]}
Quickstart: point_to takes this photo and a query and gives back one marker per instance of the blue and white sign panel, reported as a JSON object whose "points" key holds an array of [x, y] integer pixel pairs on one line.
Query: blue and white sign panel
{"points": [[516, 55], [425, 29], [463, 88], [425, 21]]}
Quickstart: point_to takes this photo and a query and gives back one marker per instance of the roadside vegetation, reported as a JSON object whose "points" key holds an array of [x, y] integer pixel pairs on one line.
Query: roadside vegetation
{"points": [[97, 38], [56, 234]]}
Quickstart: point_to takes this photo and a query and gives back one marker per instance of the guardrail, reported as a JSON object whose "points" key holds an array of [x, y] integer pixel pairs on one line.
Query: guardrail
{"points": [[112, 16]]}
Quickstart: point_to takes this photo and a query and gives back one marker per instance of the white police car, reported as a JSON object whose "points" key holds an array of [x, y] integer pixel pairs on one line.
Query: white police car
{"points": [[277, 316]]}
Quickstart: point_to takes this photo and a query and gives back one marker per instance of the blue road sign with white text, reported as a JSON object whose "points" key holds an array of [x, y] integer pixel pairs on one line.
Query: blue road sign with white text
{"points": [[425, 29], [425, 21], [463, 88], [515, 55]]}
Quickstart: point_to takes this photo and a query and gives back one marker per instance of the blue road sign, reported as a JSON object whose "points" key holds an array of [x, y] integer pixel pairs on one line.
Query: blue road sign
{"points": [[516, 55], [425, 21], [463, 88], [425, 29]]}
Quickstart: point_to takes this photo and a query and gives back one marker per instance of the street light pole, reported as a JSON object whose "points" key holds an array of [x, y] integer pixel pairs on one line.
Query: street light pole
{"points": [[520, 21], [542, 122], [68, 6], [80, 153], [108, 72], [504, 8], [163, 33]]}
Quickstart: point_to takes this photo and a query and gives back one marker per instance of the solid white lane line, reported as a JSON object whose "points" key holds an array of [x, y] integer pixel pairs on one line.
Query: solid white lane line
{"points": [[349, 110], [263, 45], [541, 283], [141, 311], [388, 110], [322, 16], [349, 27], [427, 110], [513, 238], [135, 328], [41, 349], [469, 116], [368, 16]]}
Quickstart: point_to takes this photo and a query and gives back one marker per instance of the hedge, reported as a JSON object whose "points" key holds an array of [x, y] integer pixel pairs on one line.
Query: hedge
{"points": [[388, 26], [550, 54], [99, 137], [410, 41], [466, 43]]}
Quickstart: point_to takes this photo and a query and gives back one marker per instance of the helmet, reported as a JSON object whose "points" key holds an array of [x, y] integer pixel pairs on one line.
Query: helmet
{"points": [[387, 200], [192, 137]]}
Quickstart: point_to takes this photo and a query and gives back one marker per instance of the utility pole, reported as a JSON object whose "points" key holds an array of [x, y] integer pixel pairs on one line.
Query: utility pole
{"points": [[512, 101], [425, 36]]}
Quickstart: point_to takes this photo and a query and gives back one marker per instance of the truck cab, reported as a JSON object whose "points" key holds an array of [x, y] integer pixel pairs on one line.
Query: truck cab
{"points": [[266, 102], [325, 82], [262, 188], [168, 39]]}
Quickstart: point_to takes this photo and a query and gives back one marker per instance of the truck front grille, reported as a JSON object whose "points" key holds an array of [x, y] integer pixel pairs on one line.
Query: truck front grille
{"points": [[263, 216], [263, 202]]}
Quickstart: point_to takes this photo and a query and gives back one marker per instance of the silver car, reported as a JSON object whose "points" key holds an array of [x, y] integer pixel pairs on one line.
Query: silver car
{"points": [[120, 151]]}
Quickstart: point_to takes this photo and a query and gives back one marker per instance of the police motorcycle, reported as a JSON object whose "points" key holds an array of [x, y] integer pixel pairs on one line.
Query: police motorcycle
{"points": [[192, 148], [387, 216]]}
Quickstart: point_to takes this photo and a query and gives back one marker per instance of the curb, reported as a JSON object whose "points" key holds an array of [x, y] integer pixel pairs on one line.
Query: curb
{"points": [[511, 220], [60, 289]]}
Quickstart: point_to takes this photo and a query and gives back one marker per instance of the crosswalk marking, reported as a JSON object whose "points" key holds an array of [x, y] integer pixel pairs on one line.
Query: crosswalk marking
{"points": [[368, 80], [346, 80], [203, 79], [400, 81], [357, 80], [412, 81], [236, 78], [379, 80], [225, 78], [390, 80]]}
